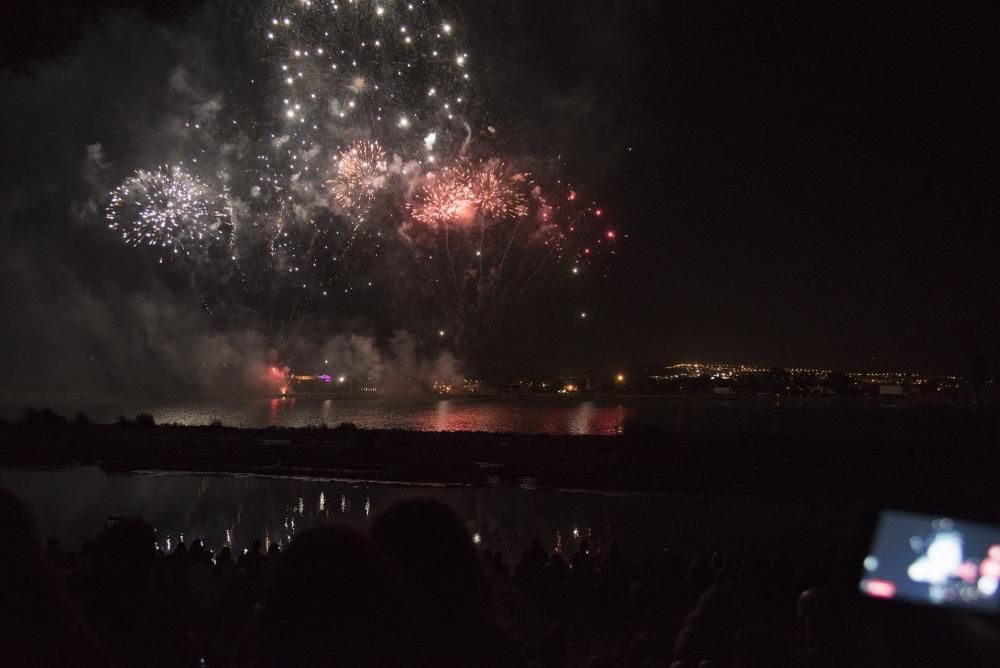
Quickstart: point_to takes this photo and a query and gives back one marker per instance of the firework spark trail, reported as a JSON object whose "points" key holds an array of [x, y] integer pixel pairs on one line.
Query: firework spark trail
{"points": [[396, 70], [479, 201], [497, 216], [168, 208], [368, 145], [359, 174], [498, 196], [466, 194]]}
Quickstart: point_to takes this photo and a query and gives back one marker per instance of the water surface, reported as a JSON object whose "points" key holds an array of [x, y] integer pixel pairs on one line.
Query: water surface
{"points": [[74, 503], [815, 418]]}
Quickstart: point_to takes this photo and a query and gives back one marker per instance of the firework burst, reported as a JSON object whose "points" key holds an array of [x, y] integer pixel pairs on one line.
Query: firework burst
{"points": [[395, 69], [467, 193], [167, 208], [572, 228], [321, 212], [498, 195], [359, 174]]}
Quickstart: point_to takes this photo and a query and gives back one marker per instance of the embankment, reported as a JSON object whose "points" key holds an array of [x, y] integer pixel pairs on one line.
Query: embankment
{"points": [[928, 471]]}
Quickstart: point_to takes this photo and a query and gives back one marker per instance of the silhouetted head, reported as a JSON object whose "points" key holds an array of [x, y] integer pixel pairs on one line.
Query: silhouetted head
{"points": [[255, 545], [123, 558], [717, 608], [331, 600], [820, 617], [225, 556], [21, 553], [37, 624], [433, 553], [585, 546]]}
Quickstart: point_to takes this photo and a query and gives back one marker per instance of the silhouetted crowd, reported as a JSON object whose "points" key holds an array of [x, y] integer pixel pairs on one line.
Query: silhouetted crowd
{"points": [[416, 591]]}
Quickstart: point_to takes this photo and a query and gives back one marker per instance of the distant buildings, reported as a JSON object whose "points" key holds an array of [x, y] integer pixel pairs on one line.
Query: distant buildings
{"points": [[682, 378], [743, 379]]}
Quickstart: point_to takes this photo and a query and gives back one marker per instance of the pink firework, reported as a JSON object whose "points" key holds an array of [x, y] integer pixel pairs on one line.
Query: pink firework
{"points": [[465, 193], [498, 195], [444, 199]]}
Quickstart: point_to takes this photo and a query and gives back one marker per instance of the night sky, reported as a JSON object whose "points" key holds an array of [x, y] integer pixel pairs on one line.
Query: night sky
{"points": [[790, 186]]}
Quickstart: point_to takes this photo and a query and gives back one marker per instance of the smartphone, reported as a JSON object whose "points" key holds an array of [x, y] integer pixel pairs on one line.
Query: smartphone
{"points": [[933, 559]]}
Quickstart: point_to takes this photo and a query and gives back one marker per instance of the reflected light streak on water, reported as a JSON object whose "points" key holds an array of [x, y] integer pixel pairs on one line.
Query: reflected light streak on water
{"points": [[530, 415], [73, 504], [706, 416]]}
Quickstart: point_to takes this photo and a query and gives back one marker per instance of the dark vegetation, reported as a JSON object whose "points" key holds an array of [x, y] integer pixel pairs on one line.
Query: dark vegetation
{"points": [[644, 459]]}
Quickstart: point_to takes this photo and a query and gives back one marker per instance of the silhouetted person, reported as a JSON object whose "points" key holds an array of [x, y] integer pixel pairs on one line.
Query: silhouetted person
{"points": [[270, 559], [38, 626], [615, 575], [708, 631], [668, 578], [132, 623], [199, 572], [224, 564], [332, 601], [252, 561], [176, 565], [198, 554], [443, 586], [823, 624], [500, 566], [533, 563], [700, 576], [556, 575], [582, 569]]}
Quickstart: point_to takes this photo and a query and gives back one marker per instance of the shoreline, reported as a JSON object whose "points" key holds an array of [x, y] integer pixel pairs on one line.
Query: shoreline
{"points": [[877, 471]]}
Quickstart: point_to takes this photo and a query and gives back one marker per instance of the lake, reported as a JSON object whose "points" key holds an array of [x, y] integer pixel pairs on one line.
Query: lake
{"points": [[74, 503], [837, 418]]}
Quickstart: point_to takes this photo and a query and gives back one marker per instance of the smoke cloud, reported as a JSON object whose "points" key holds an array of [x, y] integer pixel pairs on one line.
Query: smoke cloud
{"points": [[87, 314]]}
